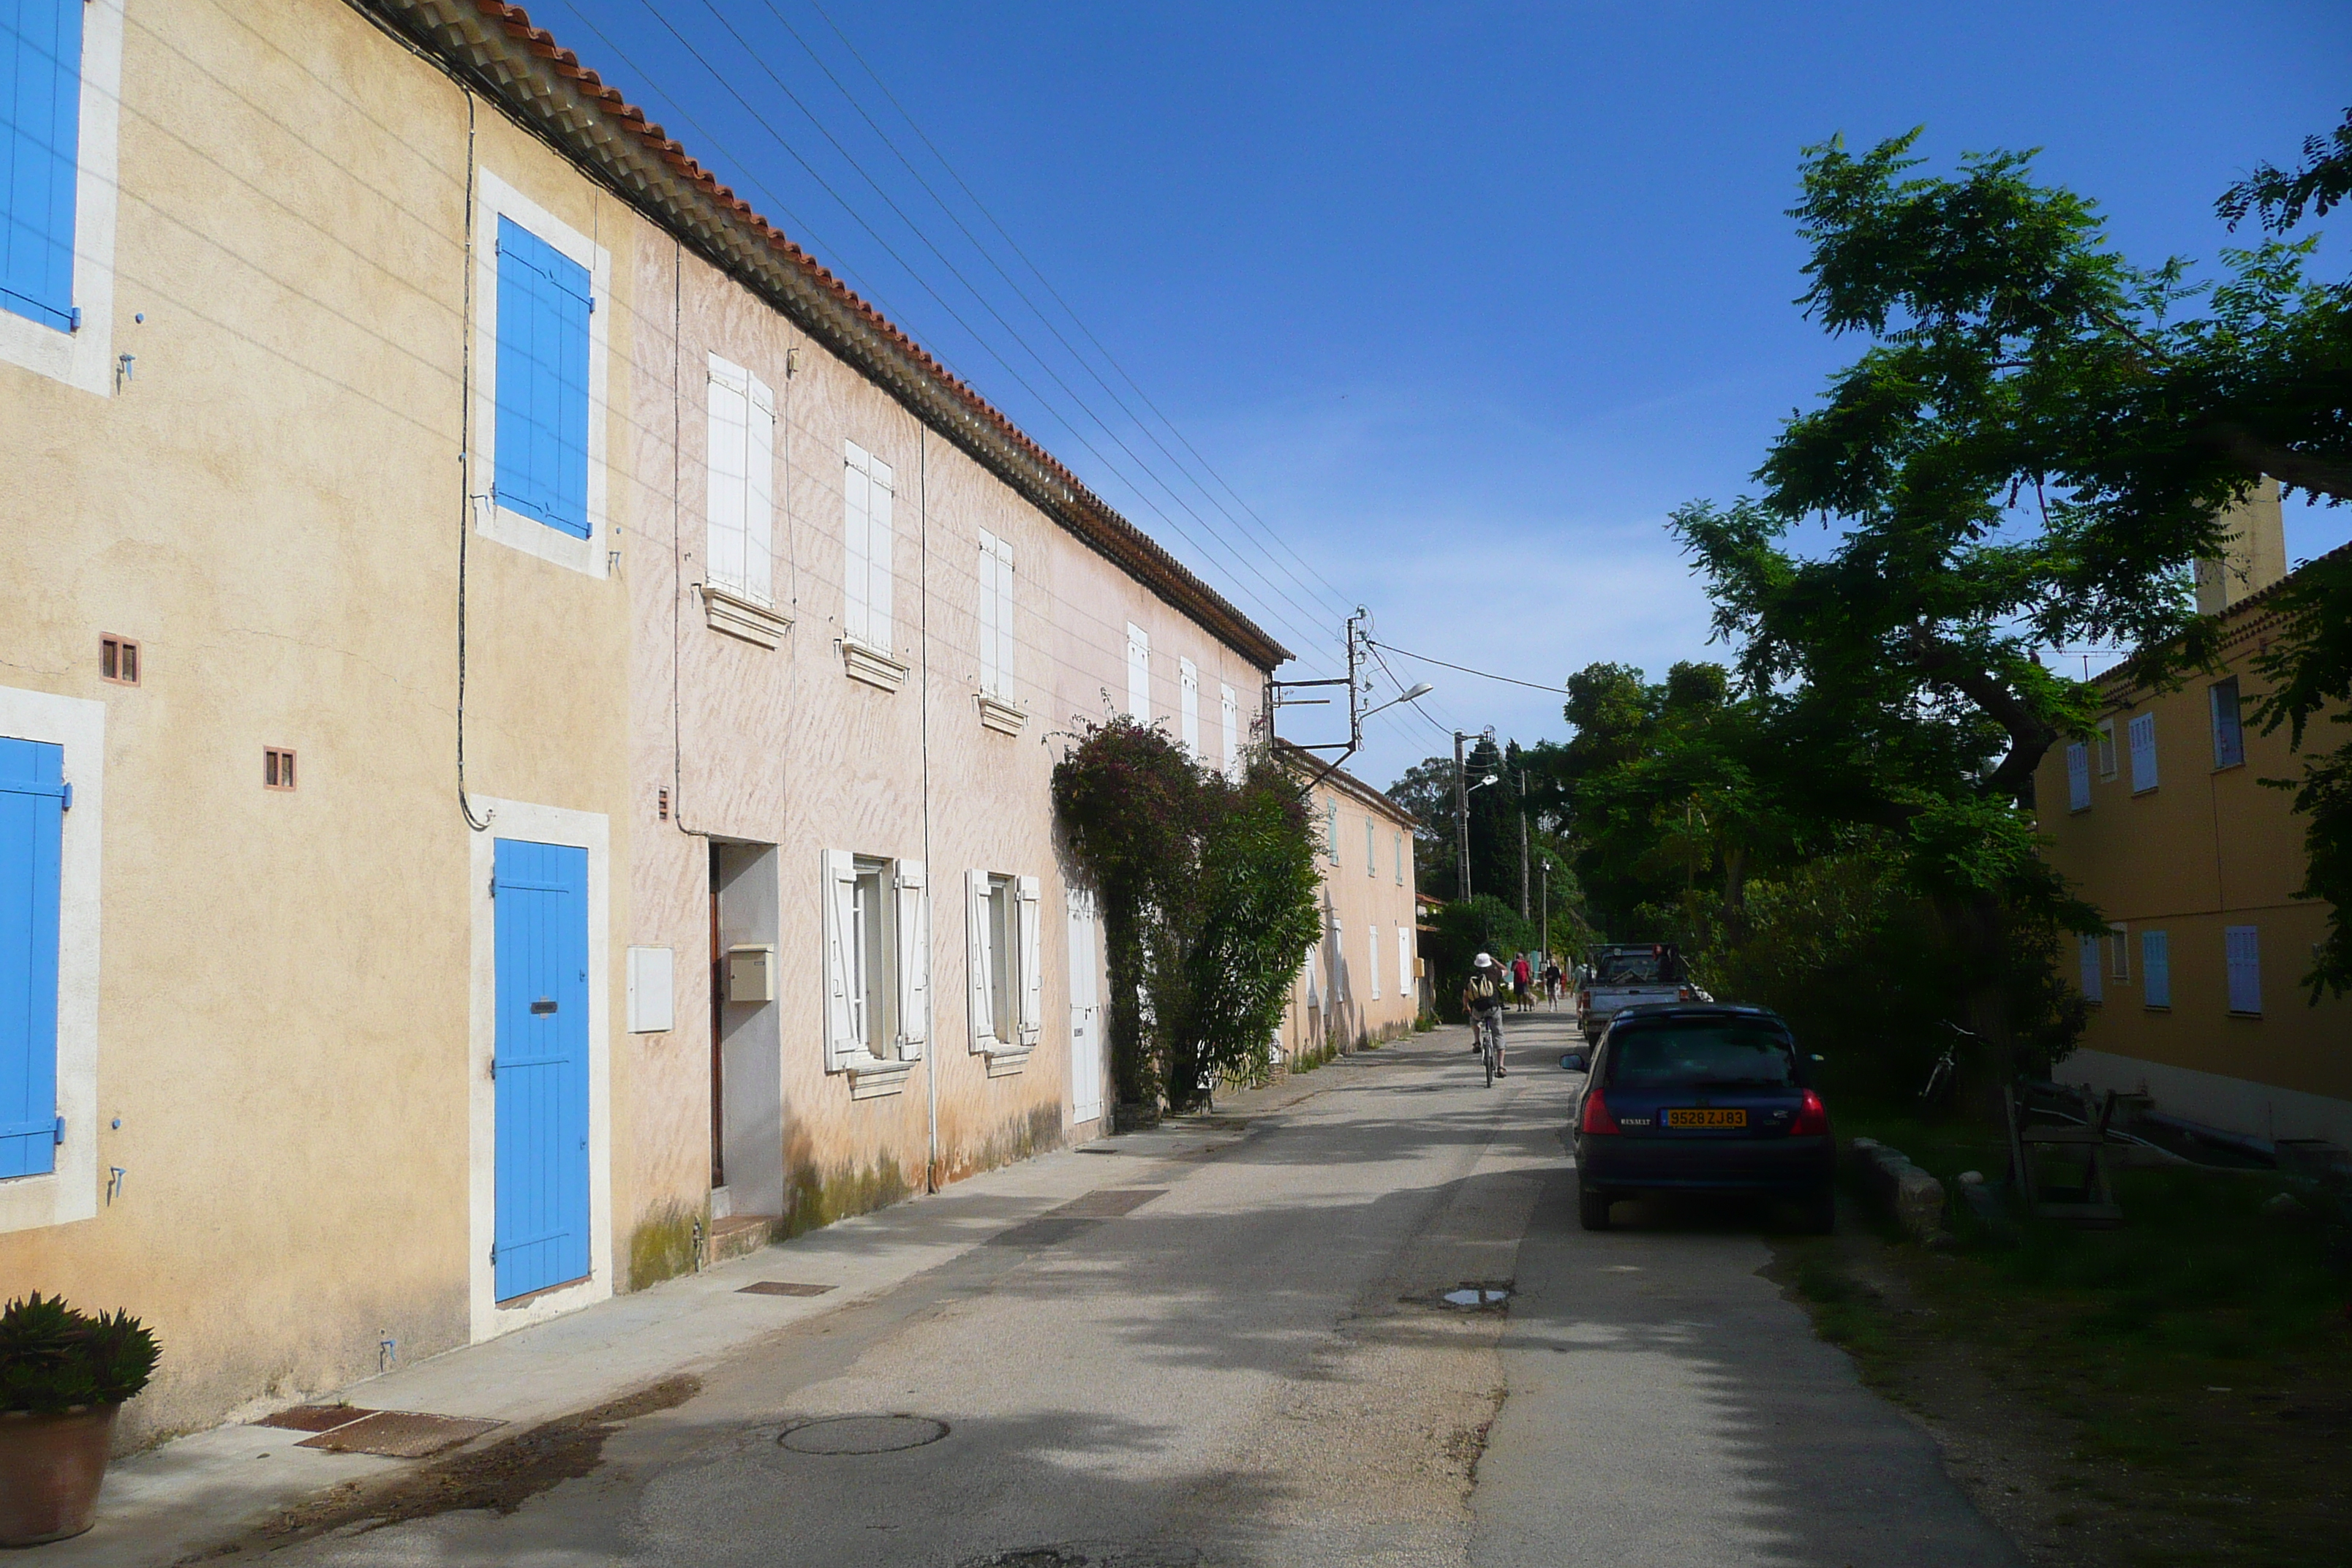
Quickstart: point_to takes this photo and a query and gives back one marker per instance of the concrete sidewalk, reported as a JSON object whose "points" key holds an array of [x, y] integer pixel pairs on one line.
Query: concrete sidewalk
{"points": [[161, 1506]]}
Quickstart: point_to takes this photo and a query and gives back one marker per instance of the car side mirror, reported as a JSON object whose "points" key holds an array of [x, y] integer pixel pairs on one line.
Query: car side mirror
{"points": [[1575, 1061]]}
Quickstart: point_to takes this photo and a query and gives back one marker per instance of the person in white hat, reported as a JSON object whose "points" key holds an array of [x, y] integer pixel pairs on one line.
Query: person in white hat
{"points": [[1484, 994]]}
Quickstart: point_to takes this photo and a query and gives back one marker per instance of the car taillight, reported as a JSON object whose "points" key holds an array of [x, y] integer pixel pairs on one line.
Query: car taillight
{"points": [[1596, 1120], [1813, 1117], [1685, 996]]}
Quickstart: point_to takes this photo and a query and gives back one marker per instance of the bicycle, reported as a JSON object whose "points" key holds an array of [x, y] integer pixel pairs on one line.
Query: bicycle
{"points": [[1940, 1078], [1490, 1043]]}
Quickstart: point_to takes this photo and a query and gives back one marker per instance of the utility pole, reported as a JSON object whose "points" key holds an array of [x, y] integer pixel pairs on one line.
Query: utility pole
{"points": [[1461, 819], [1546, 911], [1523, 844]]}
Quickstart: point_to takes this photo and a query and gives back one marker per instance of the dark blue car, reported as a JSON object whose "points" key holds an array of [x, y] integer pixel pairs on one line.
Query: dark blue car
{"points": [[1702, 1097]]}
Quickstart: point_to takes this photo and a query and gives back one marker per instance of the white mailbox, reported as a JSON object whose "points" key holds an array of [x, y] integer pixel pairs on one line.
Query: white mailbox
{"points": [[751, 972]]}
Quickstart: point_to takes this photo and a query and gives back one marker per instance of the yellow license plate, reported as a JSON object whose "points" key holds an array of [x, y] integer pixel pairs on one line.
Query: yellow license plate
{"points": [[1733, 1117]]}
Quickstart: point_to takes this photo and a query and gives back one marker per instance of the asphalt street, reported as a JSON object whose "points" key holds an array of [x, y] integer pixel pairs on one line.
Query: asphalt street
{"points": [[1245, 1357]]}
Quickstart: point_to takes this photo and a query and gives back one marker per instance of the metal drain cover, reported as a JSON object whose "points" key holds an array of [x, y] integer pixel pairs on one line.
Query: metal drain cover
{"points": [[1473, 1296], [862, 1434]]}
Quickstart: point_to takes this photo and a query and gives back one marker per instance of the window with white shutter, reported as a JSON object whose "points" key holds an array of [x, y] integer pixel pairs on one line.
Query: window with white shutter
{"points": [[913, 926], [866, 481], [995, 616], [1371, 845], [1372, 960], [1229, 720], [1029, 948], [1405, 961], [2141, 732], [2156, 968], [1138, 673], [1187, 706], [2119, 951], [2242, 947], [1399, 859], [877, 935], [2093, 985], [1003, 974], [844, 986], [1331, 830], [2106, 733], [2229, 728], [742, 473], [2078, 777]]}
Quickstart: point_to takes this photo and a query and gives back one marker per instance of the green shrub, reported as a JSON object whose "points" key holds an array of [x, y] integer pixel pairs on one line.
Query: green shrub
{"points": [[53, 1358]]}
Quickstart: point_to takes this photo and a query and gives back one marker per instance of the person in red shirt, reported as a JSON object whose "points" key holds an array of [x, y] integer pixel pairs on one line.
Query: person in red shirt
{"points": [[1522, 982]]}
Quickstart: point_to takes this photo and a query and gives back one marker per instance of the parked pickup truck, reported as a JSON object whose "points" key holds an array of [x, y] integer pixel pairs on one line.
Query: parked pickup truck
{"points": [[1627, 976]]}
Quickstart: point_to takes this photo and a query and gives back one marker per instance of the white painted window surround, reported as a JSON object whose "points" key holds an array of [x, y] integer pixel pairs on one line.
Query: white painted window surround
{"points": [[1004, 976], [586, 830], [741, 460], [867, 540], [495, 199], [84, 358], [69, 1190], [875, 915]]}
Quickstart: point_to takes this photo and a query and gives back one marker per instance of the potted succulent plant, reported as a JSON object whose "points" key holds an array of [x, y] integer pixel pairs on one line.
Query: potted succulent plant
{"points": [[63, 1376]]}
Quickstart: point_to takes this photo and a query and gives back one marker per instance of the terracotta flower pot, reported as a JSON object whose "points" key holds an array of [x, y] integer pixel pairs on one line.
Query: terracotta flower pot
{"points": [[51, 1463]]}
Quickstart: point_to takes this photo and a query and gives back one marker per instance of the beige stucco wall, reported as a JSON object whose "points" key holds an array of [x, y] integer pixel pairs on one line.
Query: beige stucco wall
{"points": [[272, 507], [1341, 995], [2207, 848], [781, 747]]}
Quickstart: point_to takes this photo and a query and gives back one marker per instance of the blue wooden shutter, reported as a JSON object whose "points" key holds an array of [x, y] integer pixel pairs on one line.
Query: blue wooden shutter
{"points": [[2243, 948], [32, 815], [40, 136], [542, 381], [2156, 968]]}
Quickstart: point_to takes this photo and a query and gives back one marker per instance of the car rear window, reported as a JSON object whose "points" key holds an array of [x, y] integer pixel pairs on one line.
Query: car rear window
{"points": [[1702, 1053], [1638, 969]]}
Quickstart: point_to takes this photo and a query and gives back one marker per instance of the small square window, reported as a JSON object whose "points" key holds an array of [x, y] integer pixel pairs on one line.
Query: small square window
{"points": [[277, 768], [118, 660]]}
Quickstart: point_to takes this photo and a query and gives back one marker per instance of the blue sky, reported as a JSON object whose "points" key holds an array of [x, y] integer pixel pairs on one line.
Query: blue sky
{"points": [[1460, 301]]}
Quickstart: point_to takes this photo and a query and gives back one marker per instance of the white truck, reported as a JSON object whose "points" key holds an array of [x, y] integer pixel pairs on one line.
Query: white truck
{"points": [[1627, 975]]}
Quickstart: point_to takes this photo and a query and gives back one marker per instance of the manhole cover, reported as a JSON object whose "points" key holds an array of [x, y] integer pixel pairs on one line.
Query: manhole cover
{"points": [[1476, 1296], [782, 1288], [315, 1417], [400, 1434], [862, 1434]]}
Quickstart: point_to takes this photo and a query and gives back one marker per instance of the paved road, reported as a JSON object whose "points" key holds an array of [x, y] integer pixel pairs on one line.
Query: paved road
{"points": [[1255, 1367]]}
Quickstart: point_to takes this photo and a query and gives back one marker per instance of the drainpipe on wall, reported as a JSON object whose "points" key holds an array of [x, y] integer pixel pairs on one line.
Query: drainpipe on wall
{"points": [[923, 719]]}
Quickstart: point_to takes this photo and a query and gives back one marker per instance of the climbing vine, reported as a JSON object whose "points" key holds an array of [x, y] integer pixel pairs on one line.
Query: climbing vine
{"points": [[1206, 892]]}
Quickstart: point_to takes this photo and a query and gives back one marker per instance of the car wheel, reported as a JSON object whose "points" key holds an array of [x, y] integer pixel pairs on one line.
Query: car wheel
{"points": [[1821, 1211], [1593, 1208]]}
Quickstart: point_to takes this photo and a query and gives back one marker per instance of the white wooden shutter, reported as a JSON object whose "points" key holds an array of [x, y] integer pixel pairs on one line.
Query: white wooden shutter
{"points": [[1138, 673], [2243, 947], [877, 555], [1314, 980], [1229, 720], [1372, 960], [2156, 968], [1031, 947], [727, 464], [1005, 663], [758, 494], [914, 931], [1371, 846], [841, 981], [976, 960], [2078, 777], [2094, 983], [992, 674], [857, 543], [1405, 961], [2142, 731], [1188, 705]]}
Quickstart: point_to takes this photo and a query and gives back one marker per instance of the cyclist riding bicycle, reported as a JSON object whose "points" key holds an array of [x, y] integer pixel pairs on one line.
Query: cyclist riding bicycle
{"points": [[1484, 994]]}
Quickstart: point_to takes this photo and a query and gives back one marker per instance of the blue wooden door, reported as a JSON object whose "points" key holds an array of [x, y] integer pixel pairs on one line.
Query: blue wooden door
{"points": [[542, 1056], [32, 816]]}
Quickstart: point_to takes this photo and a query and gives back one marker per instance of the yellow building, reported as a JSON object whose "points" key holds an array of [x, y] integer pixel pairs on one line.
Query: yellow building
{"points": [[523, 703], [1362, 981], [2161, 819]]}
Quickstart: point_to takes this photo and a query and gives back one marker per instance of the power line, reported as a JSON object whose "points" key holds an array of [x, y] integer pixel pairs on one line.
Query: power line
{"points": [[1481, 673]]}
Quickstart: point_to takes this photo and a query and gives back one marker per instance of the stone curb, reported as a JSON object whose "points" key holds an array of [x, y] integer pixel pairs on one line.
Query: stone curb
{"points": [[1898, 1188]]}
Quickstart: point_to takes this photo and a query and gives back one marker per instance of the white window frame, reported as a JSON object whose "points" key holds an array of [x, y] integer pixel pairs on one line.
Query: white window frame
{"points": [[1022, 996], [1138, 674], [68, 1190], [740, 509], [901, 940], [84, 359], [2141, 733], [2241, 956], [868, 539], [495, 199]]}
